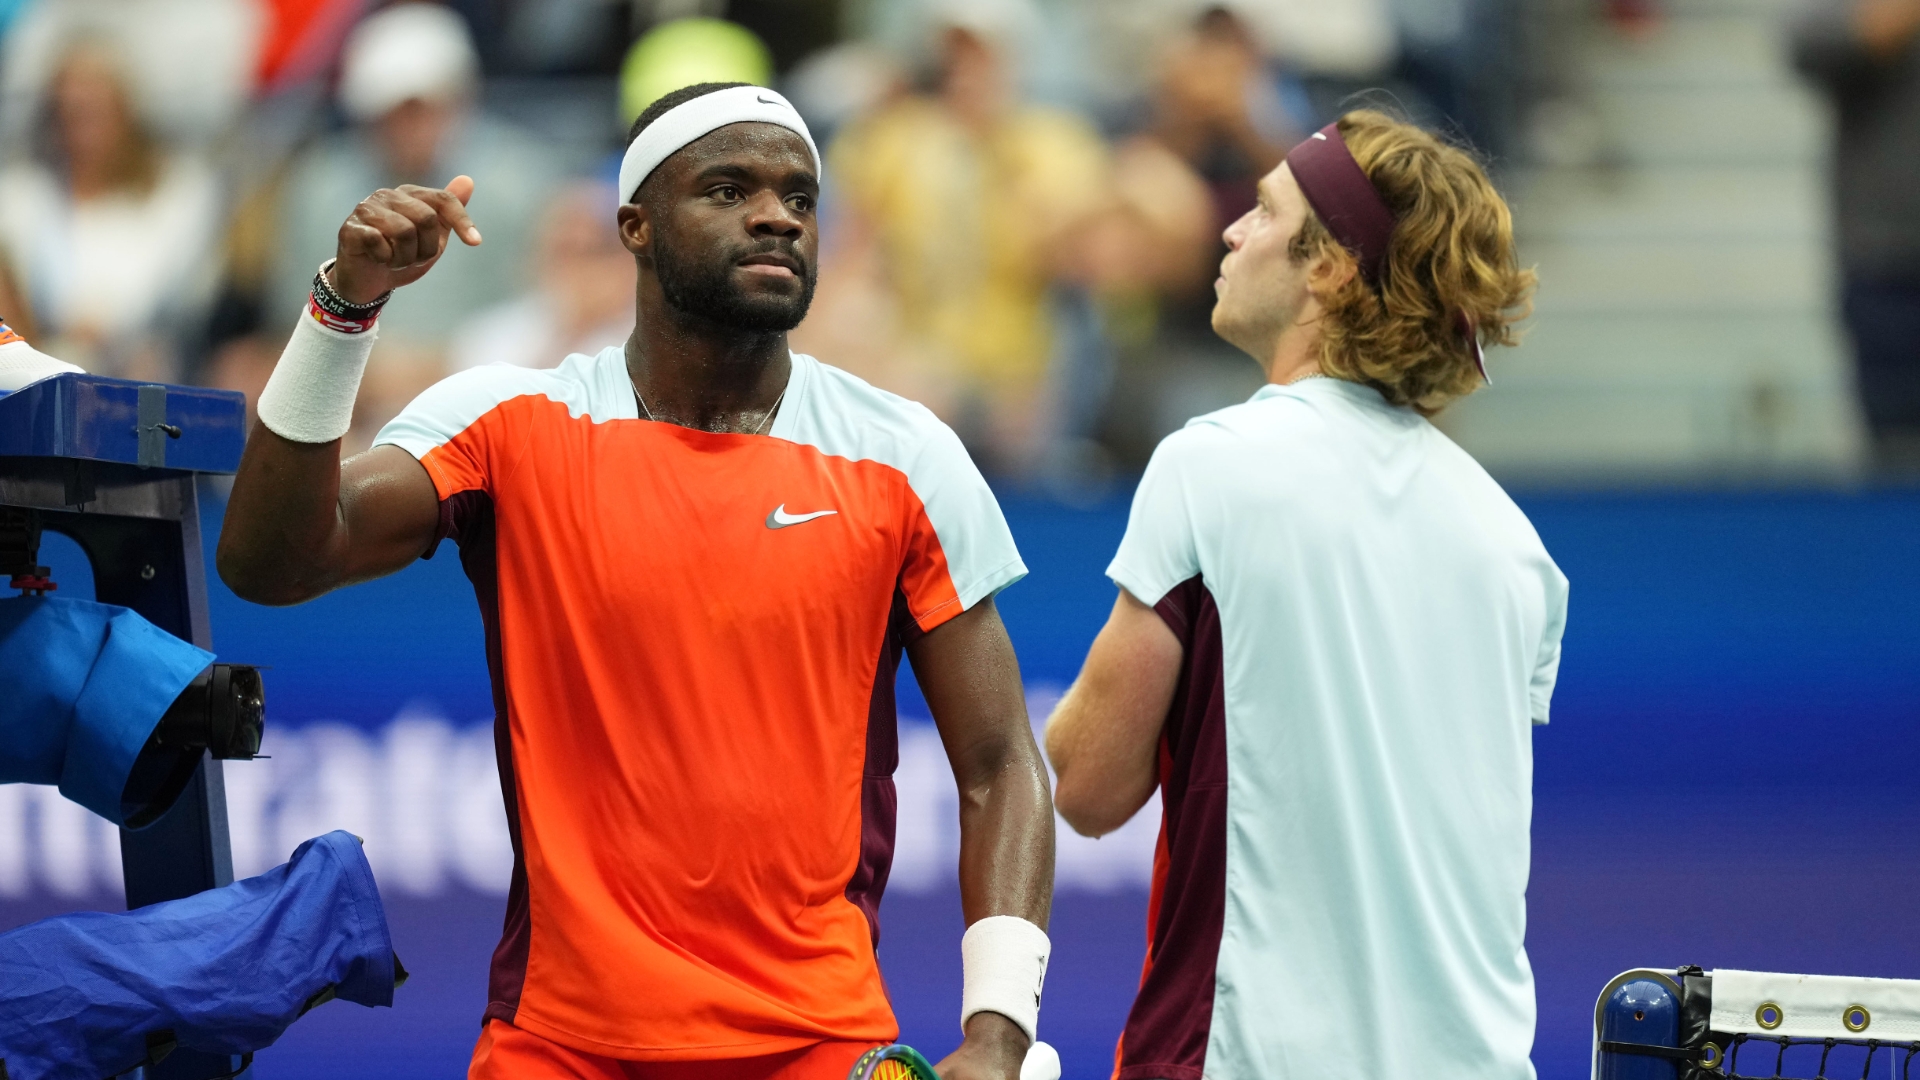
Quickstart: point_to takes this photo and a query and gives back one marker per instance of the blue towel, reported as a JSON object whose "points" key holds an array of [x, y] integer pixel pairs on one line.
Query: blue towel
{"points": [[226, 971], [86, 684]]}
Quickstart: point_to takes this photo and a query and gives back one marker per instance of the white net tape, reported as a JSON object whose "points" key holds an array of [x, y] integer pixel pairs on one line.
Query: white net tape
{"points": [[1816, 1006]]}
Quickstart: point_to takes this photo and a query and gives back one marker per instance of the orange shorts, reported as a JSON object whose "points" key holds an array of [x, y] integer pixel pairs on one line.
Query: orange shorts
{"points": [[505, 1052]]}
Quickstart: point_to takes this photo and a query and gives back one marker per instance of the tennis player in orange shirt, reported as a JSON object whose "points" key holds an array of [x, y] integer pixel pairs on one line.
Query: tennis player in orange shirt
{"points": [[699, 558]]}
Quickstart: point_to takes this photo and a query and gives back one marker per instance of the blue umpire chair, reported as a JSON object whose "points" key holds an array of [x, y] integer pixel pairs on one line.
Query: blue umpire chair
{"points": [[148, 718]]}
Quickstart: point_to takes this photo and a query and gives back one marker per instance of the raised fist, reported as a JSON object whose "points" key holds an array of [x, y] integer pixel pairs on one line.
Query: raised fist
{"points": [[396, 235]]}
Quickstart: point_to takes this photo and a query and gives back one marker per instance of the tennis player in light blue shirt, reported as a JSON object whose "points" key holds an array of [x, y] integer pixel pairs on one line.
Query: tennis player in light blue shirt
{"points": [[1333, 638]]}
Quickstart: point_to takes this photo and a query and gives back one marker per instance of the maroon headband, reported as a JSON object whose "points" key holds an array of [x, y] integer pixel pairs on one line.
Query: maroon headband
{"points": [[1351, 208], [1347, 202]]}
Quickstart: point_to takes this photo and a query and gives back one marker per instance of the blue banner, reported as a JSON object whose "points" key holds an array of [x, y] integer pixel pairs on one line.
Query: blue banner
{"points": [[1728, 779]]}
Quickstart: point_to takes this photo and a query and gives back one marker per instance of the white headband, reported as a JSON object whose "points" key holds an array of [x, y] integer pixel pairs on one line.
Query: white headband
{"points": [[690, 120]]}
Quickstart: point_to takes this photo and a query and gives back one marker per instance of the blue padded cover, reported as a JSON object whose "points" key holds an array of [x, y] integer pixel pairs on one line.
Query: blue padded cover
{"points": [[226, 970], [85, 685]]}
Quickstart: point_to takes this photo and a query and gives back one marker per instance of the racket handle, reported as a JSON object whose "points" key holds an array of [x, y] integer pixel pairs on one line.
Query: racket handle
{"points": [[1042, 1063]]}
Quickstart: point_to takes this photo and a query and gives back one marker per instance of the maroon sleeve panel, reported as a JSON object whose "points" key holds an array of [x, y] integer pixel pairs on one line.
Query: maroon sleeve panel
{"points": [[1166, 1033]]}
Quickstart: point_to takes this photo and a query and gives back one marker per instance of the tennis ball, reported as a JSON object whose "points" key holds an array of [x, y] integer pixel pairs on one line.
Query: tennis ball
{"points": [[682, 52]]}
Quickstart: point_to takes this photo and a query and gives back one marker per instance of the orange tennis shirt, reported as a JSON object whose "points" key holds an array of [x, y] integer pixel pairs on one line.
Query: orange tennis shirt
{"points": [[693, 639]]}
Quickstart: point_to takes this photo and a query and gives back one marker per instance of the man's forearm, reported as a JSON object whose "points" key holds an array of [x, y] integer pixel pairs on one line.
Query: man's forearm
{"points": [[967, 670], [972, 684], [1006, 869], [1006, 838], [278, 543]]}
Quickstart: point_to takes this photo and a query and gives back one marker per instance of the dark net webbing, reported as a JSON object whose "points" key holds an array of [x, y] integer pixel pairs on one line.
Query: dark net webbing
{"points": [[1743, 1054]]}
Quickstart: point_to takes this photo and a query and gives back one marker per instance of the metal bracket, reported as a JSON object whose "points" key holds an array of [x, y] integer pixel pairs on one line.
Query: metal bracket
{"points": [[152, 427]]}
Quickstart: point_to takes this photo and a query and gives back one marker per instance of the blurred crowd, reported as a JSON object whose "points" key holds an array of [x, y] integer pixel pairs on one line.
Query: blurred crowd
{"points": [[1021, 218], [1864, 55]]}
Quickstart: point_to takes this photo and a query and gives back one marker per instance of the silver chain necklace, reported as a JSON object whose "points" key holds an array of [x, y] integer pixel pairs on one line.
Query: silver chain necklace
{"points": [[764, 421]]}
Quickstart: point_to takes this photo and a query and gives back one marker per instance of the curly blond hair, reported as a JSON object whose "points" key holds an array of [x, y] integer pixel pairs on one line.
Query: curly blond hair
{"points": [[1451, 252]]}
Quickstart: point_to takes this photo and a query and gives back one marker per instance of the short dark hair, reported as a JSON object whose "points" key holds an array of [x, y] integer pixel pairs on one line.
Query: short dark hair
{"points": [[672, 99]]}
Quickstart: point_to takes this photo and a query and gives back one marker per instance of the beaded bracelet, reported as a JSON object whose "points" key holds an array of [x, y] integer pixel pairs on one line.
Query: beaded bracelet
{"points": [[332, 310]]}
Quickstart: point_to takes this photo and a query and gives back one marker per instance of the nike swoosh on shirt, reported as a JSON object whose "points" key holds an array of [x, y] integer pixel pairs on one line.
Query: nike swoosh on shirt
{"points": [[780, 519]]}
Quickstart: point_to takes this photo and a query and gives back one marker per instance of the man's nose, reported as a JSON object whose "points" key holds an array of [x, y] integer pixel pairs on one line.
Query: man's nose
{"points": [[1235, 233], [769, 215]]}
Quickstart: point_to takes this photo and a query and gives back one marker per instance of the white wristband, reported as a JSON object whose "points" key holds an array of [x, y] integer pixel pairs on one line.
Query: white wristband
{"points": [[309, 396], [1003, 959]]}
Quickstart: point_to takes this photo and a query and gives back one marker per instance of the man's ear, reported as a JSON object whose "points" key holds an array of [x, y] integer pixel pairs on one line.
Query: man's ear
{"points": [[636, 228], [1330, 271]]}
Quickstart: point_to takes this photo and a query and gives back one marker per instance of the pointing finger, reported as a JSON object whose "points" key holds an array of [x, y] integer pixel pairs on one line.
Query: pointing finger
{"points": [[452, 206]]}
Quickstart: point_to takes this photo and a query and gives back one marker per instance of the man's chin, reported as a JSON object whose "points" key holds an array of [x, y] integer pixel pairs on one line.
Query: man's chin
{"points": [[1221, 321], [767, 302], [1234, 331], [774, 312], [743, 311], [762, 316]]}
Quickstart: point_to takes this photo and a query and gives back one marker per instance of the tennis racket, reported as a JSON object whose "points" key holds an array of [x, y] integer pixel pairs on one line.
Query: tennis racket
{"points": [[895, 1062], [901, 1062]]}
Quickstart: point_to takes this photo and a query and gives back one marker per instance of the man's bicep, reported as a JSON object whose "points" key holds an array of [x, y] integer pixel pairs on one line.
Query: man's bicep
{"points": [[390, 510], [1134, 668], [1104, 738], [967, 672]]}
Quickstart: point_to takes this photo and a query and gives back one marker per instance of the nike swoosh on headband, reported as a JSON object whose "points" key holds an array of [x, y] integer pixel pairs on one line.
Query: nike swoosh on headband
{"points": [[780, 519]]}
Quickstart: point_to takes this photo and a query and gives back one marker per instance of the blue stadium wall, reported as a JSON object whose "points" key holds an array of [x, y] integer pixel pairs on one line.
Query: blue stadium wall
{"points": [[1732, 777]]}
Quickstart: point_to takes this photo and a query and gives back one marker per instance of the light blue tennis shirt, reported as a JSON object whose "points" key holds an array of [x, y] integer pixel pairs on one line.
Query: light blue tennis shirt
{"points": [[1371, 630]]}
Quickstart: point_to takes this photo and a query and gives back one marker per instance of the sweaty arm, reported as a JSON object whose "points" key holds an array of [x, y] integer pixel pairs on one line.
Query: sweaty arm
{"points": [[967, 670], [300, 522], [1103, 738]]}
